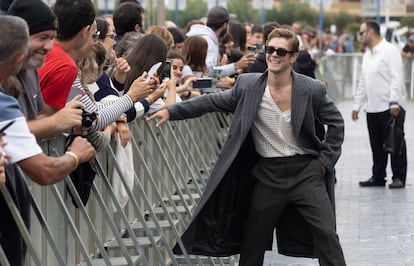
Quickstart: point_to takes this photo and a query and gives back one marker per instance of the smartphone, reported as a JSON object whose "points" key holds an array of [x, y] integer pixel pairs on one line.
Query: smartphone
{"points": [[153, 69], [6, 126], [166, 72], [251, 49], [203, 83]]}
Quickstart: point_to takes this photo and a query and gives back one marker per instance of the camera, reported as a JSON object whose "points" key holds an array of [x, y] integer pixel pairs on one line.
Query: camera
{"points": [[203, 83], [88, 118]]}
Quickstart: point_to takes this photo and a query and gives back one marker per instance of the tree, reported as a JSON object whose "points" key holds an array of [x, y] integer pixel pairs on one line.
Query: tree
{"points": [[244, 11], [194, 10], [407, 22]]}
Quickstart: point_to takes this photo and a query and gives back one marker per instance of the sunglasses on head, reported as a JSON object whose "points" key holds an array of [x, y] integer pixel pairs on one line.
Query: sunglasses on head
{"points": [[279, 51], [95, 35]]}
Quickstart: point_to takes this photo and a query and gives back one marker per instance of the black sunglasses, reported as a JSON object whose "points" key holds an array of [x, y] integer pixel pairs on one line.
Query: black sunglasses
{"points": [[279, 51]]}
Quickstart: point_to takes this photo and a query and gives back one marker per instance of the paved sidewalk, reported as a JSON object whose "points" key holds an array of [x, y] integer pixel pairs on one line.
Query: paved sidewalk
{"points": [[375, 225]]}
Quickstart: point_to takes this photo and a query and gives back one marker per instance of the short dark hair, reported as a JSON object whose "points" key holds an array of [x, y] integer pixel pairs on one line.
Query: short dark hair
{"points": [[73, 16], [257, 29], [177, 34], [126, 16], [374, 26]]}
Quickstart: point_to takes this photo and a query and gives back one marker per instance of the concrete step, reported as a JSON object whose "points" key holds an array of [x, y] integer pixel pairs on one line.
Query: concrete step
{"points": [[138, 227], [177, 198], [113, 245], [115, 261], [159, 211]]}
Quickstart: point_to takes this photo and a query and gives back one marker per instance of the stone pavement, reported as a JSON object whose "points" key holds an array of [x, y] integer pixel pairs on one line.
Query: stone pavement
{"points": [[375, 225]]}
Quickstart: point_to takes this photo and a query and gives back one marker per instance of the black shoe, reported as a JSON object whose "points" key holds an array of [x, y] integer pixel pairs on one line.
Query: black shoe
{"points": [[396, 183], [372, 182]]}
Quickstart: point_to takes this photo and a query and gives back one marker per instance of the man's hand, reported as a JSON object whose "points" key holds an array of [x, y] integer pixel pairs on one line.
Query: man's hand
{"points": [[355, 115], [83, 149], [162, 115], [395, 110], [245, 61], [70, 116]]}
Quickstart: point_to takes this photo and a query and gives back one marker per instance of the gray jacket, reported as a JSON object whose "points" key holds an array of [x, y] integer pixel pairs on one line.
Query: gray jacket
{"points": [[217, 225]]}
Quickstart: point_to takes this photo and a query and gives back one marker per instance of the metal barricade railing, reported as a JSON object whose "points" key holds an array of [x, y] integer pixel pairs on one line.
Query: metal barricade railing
{"points": [[341, 72], [171, 166]]}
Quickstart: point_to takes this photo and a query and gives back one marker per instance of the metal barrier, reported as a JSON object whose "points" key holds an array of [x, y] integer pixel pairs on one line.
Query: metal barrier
{"points": [[171, 166], [341, 72]]}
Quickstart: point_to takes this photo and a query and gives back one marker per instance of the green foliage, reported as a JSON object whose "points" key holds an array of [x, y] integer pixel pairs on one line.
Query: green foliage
{"points": [[352, 27], [195, 9], [286, 13], [408, 22], [244, 11], [289, 12], [341, 20]]}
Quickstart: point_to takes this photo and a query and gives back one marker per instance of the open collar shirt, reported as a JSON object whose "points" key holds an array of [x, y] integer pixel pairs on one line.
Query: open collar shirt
{"points": [[382, 79]]}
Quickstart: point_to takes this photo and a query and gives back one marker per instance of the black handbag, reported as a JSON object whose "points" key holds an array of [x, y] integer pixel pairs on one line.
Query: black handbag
{"points": [[394, 138], [82, 177]]}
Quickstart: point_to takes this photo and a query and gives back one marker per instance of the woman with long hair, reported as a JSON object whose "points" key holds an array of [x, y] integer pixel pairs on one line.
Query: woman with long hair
{"points": [[149, 50]]}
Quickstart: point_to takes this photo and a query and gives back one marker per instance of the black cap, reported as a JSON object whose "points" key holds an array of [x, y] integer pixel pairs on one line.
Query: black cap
{"points": [[217, 15], [37, 14]]}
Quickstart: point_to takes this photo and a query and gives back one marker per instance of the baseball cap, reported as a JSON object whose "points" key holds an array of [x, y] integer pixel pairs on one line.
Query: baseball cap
{"points": [[217, 15]]}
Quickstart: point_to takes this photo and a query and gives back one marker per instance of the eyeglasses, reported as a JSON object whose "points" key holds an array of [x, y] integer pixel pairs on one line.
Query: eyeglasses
{"points": [[362, 32], [112, 36], [95, 35], [279, 51]]}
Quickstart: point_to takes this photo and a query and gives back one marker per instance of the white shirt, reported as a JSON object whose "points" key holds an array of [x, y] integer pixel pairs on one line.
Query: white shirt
{"points": [[382, 79], [272, 130], [21, 144]]}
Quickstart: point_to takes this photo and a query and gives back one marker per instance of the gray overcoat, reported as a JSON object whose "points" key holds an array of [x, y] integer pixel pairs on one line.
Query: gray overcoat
{"points": [[217, 225]]}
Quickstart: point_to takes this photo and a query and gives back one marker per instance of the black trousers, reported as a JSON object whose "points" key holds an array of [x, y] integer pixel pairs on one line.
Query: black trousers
{"points": [[377, 126], [299, 181]]}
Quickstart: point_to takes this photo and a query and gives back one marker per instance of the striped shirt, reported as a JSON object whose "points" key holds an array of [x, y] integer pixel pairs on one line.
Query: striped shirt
{"points": [[107, 112]]}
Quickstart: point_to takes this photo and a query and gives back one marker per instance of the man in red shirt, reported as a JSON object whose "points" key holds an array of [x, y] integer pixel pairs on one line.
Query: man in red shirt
{"points": [[75, 38]]}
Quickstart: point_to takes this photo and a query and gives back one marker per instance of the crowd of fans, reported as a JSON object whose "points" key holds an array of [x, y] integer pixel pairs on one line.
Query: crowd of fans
{"points": [[74, 66]]}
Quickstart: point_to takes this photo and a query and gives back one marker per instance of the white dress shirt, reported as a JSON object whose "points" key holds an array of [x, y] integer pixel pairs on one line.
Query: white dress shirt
{"points": [[382, 79]]}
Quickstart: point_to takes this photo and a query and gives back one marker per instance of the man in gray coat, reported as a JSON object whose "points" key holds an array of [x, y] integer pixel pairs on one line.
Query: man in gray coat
{"points": [[273, 171]]}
